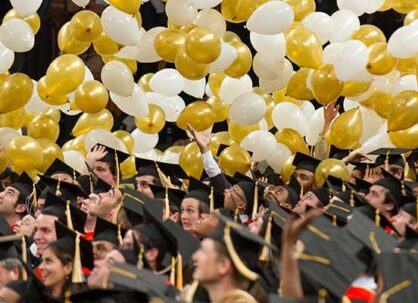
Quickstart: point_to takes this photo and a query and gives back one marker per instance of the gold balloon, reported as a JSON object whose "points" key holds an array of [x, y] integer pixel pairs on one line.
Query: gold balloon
{"points": [[221, 109], [234, 159], [411, 17], [231, 37], [386, 6], [407, 65], [105, 46], [78, 145], [407, 138], [292, 27], [4, 161], [3, 76], [91, 97], [54, 114], [380, 62], [172, 25], [88, 122], [242, 62], [404, 6], [346, 130], [68, 44], [126, 138], [380, 102], [189, 68], [219, 138], [202, 45], [43, 126], [270, 103], [14, 119], [15, 91], [301, 8], [325, 86], [128, 168], [199, 114], [191, 161], [24, 152], [144, 82], [28, 119], [239, 131], [296, 88], [46, 97], [355, 88], [237, 11], [64, 75], [292, 139], [130, 7], [132, 64], [331, 167], [50, 152], [404, 113], [168, 42], [369, 35], [86, 26], [280, 96], [288, 169], [153, 122], [304, 48], [33, 20], [215, 82]]}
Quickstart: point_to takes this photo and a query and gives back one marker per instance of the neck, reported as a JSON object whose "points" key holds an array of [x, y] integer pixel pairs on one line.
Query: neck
{"points": [[12, 219], [90, 223], [57, 289], [219, 288]]}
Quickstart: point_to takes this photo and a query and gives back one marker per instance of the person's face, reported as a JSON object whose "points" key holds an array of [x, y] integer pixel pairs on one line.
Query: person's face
{"points": [[376, 196], [307, 200], [8, 295], [105, 203], [208, 266], [63, 177], [234, 198], [142, 185], [305, 178], [8, 200], [101, 248], [102, 170], [99, 275], [85, 204], [279, 194], [128, 240], [189, 213], [27, 225], [255, 226], [400, 221], [53, 272], [40, 206], [6, 276], [356, 173], [44, 232]]}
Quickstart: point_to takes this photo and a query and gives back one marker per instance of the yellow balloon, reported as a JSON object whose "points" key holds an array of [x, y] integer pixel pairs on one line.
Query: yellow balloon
{"points": [[270, 103], [325, 86], [15, 91], [50, 152], [128, 168], [126, 138], [292, 27], [407, 65], [301, 8], [189, 68], [404, 6], [28, 119], [88, 122], [380, 62], [132, 64], [202, 45], [304, 48], [24, 152], [54, 114], [91, 97], [4, 161], [239, 131], [296, 88], [407, 138], [237, 11], [346, 130], [219, 138], [33, 20], [105, 46], [43, 126], [369, 35], [14, 119], [382, 103], [234, 159], [138, 18], [221, 109], [215, 82], [153, 122], [231, 37], [242, 62], [68, 44], [288, 169], [46, 97], [386, 6], [404, 113], [199, 114], [168, 42], [280, 96], [86, 26], [412, 16], [191, 161], [144, 82], [331, 167], [77, 144], [64, 75], [128, 6], [292, 139], [175, 149], [355, 88], [3, 76]]}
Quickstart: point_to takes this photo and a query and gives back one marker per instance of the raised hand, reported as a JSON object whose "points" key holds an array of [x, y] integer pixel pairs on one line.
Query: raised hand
{"points": [[202, 141]]}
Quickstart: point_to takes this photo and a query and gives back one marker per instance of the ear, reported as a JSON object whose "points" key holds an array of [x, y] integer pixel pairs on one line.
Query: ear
{"points": [[389, 207], [15, 273], [175, 217], [224, 266], [68, 268], [20, 208]]}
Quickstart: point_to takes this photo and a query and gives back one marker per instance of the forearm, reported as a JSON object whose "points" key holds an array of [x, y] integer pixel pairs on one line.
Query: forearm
{"points": [[212, 168], [291, 285]]}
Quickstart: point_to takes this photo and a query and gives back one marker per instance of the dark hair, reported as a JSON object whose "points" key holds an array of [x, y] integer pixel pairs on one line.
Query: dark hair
{"points": [[222, 252], [203, 208], [390, 199]]}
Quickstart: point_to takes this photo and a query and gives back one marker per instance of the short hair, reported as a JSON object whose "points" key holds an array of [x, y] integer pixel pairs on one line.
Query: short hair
{"points": [[389, 198], [203, 208], [222, 252], [12, 263]]}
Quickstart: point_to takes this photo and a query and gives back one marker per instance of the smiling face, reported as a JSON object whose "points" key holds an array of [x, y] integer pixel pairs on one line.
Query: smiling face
{"points": [[307, 200], [44, 232], [54, 272], [103, 204]]}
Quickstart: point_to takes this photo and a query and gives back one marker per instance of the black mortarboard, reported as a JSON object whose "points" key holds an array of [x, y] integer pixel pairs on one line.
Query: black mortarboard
{"points": [[65, 190], [98, 185], [24, 184], [412, 209], [339, 211], [362, 186], [172, 170], [64, 211], [294, 190], [107, 231], [175, 195], [322, 193], [59, 167], [303, 161], [390, 156], [218, 197], [108, 295], [146, 167], [395, 186], [9, 247], [337, 153], [134, 203]]}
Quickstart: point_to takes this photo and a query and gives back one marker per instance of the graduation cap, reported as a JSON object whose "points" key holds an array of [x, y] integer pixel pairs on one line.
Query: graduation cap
{"points": [[134, 203], [65, 190], [273, 298], [25, 185], [362, 186], [303, 161], [108, 295], [338, 153], [14, 246], [390, 156], [59, 167], [91, 183], [168, 173], [322, 193], [213, 197], [146, 167], [175, 195], [339, 211], [294, 189], [107, 231], [396, 187], [412, 209]]}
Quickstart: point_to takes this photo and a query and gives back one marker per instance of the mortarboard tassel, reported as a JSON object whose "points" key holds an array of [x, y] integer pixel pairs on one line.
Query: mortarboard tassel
{"points": [[211, 200], [77, 276], [179, 280], [393, 290], [68, 215], [34, 196], [236, 214], [367, 172], [67, 296], [301, 192], [140, 263], [377, 217], [265, 252], [255, 202], [120, 240], [166, 204], [322, 295], [189, 296], [343, 187], [334, 220], [352, 202], [24, 258], [58, 189], [165, 181], [173, 271], [117, 169], [91, 183], [403, 190], [74, 175], [117, 212], [387, 161]]}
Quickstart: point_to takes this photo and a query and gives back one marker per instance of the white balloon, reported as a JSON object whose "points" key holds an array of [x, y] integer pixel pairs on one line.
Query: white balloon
{"points": [[201, 4], [315, 126], [225, 59], [379, 140], [352, 60], [150, 155], [289, 115], [408, 82], [181, 12], [6, 135], [350, 104], [172, 106], [404, 42], [128, 52], [26, 8], [247, 109], [266, 67], [263, 124], [117, 78], [167, 82], [65, 108], [208, 91], [35, 104], [345, 23], [81, 3], [320, 24], [271, 18], [146, 50], [76, 160], [371, 123], [143, 142], [135, 105], [120, 27], [279, 157], [7, 57], [261, 143], [99, 135], [308, 109], [273, 46], [386, 82], [358, 7], [309, 79], [374, 5], [206, 19], [271, 86], [194, 88], [232, 88], [414, 23], [331, 53], [170, 158], [17, 35], [88, 76]]}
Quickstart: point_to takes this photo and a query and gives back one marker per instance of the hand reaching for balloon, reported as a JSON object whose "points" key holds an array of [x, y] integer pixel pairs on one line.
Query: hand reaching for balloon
{"points": [[330, 112], [295, 225], [202, 141], [98, 152], [355, 156]]}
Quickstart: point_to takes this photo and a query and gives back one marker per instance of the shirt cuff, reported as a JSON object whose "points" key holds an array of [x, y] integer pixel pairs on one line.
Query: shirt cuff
{"points": [[211, 167]]}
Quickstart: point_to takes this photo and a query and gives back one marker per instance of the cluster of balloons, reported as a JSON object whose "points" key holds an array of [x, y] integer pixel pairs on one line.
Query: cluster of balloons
{"points": [[336, 56]]}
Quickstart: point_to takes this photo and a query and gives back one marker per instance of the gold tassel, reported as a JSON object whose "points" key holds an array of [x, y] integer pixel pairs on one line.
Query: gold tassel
{"points": [[163, 178], [34, 196], [393, 290], [255, 202], [239, 265], [120, 240], [74, 175], [322, 295], [189, 296], [265, 252], [367, 172], [179, 280], [24, 258], [67, 297], [387, 161], [236, 215], [140, 263], [77, 276], [377, 217], [334, 220], [117, 169], [58, 189], [173, 271], [91, 184], [301, 192], [68, 215], [343, 187], [166, 204], [117, 212], [211, 200], [403, 190], [352, 202]]}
